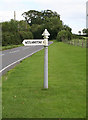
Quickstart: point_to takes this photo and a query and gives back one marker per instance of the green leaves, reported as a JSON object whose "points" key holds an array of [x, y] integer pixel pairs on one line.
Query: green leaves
{"points": [[13, 32], [63, 35], [36, 17]]}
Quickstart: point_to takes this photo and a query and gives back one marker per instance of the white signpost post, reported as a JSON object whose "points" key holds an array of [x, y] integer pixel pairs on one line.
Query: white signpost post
{"points": [[45, 43]]}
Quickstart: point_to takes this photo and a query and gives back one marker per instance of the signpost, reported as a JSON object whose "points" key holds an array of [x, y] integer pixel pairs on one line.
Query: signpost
{"points": [[33, 42], [46, 34], [45, 43]]}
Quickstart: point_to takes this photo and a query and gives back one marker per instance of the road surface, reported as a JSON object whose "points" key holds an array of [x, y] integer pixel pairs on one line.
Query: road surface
{"points": [[9, 58]]}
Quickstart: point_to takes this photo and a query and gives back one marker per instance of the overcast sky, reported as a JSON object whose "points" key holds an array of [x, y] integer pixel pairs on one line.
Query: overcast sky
{"points": [[72, 12]]}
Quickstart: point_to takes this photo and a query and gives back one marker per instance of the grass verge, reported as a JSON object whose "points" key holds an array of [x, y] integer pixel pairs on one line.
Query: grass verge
{"points": [[9, 47], [22, 91]]}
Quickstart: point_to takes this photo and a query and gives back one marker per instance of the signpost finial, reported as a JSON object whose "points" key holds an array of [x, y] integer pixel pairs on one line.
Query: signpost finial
{"points": [[46, 33]]}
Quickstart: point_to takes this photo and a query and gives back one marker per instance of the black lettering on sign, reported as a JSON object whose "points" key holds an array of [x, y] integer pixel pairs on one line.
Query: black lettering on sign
{"points": [[34, 42]]}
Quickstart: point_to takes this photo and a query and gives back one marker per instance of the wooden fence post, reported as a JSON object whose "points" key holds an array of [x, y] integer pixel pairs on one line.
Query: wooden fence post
{"points": [[78, 43], [82, 43], [87, 43]]}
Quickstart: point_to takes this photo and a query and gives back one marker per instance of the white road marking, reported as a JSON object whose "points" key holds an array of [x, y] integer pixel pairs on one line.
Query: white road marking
{"points": [[19, 60], [14, 51]]}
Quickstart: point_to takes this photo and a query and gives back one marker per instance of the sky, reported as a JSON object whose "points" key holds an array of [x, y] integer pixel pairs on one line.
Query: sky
{"points": [[72, 12]]}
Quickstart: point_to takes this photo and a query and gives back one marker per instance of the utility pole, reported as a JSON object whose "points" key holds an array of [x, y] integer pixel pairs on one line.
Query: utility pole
{"points": [[14, 15], [87, 14], [87, 22]]}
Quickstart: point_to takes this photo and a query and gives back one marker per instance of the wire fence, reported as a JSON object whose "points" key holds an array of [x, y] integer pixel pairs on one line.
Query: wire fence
{"points": [[76, 42]]}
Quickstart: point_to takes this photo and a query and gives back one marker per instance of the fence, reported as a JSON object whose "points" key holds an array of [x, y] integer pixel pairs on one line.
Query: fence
{"points": [[82, 42]]}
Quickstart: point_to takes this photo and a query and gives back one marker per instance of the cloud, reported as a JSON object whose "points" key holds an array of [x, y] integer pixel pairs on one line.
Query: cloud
{"points": [[72, 12], [8, 15]]}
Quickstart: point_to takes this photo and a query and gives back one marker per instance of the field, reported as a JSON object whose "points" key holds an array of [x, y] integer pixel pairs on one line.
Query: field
{"points": [[23, 95]]}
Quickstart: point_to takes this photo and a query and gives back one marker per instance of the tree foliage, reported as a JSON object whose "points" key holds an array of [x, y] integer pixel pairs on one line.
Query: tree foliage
{"points": [[36, 17], [9, 26], [10, 38], [85, 31], [64, 35], [25, 35], [44, 19], [13, 32]]}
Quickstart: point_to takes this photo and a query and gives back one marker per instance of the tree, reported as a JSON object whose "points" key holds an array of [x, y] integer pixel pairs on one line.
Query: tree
{"points": [[37, 31], [25, 35], [13, 32], [11, 26], [63, 35], [54, 25], [79, 32], [45, 19], [10, 38], [41, 20], [85, 31], [32, 17], [23, 26], [67, 28], [36, 17]]}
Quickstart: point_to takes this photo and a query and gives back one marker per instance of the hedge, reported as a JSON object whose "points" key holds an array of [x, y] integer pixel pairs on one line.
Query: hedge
{"points": [[15, 38]]}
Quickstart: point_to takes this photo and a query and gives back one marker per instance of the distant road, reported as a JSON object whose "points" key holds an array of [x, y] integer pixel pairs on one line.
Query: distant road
{"points": [[9, 58]]}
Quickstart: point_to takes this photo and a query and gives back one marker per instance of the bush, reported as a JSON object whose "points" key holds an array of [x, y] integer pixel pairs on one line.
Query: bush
{"points": [[11, 26], [15, 38], [9, 38], [14, 32], [63, 35], [25, 35]]}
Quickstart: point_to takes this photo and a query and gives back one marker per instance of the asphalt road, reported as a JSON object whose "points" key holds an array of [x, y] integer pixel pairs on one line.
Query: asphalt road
{"points": [[9, 58]]}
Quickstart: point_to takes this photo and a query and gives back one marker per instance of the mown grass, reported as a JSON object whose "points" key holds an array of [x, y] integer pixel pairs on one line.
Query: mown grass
{"points": [[23, 94], [9, 47]]}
